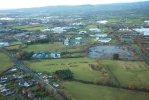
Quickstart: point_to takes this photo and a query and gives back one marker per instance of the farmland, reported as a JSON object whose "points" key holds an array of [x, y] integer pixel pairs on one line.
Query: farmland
{"points": [[93, 92], [31, 28], [5, 62], [126, 72], [78, 66]]}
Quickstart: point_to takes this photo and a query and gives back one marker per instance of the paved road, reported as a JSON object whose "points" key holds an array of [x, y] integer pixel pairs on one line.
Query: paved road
{"points": [[37, 78]]}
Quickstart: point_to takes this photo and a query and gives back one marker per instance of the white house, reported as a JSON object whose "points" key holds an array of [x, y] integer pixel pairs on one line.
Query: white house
{"points": [[58, 30], [104, 40], [66, 41], [78, 38], [82, 32], [102, 21], [46, 30]]}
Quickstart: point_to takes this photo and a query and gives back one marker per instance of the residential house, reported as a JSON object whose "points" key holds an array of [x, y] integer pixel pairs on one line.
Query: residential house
{"points": [[56, 85], [82, 32], [66, 41]]}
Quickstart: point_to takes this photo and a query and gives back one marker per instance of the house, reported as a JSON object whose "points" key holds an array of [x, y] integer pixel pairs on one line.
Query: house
{"points": [[31, 95], [94, 30], [66, 41], [58, 30], [146, 34], [56, 85], [4, 78], [78, 38], [82, 32], [46, 30], [43, 37], [102, 21], [104, 40]]}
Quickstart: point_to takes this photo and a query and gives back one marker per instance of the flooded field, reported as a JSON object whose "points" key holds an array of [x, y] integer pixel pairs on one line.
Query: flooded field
{"points": [[108, 51]]}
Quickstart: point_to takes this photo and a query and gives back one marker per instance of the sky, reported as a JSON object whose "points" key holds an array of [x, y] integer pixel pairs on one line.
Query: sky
{"points": [[11, 4]]}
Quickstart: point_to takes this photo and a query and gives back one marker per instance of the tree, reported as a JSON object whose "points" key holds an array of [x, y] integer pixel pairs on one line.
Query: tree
{"points": [[116, 56], [131, 86]]}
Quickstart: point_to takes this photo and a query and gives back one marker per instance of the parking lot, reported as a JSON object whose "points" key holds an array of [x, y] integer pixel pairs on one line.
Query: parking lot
{"points": [[108, 51]]}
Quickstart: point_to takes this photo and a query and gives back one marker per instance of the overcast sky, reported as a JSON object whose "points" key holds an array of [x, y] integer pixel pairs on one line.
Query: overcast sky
{"points": [[8, 4]]}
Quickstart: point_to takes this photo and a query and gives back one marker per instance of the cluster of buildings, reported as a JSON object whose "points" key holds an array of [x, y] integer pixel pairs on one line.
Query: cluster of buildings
{"points": [[45, 55]]}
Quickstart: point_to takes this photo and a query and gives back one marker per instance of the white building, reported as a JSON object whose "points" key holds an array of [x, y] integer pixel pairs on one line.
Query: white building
{"points": [[3, 44], [82, 32], [104, 40], [58, 30], [102, 21], [94, 30]]}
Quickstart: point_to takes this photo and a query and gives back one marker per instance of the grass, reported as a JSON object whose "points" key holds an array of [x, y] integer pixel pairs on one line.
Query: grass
{"points": [[5, 62], [113, 41], [112, 20], [135, 45], [16, 43], [80, 70], [104, 29], [128, 71], [53, 47], [31, 28], [12, 47], [90, 26], [93, 92]]}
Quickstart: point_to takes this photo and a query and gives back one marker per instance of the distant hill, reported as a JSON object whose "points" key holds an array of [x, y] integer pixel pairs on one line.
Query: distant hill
{"points": [[85, 9]]}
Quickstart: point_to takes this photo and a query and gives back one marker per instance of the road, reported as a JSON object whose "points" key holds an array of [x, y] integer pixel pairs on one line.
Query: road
{"points": [[17, 62]]}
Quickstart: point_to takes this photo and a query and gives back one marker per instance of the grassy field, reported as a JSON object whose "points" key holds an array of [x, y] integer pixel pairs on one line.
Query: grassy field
{"points": [[112, 20], [16, 43], [80, 70], [113, 41], [92, 92], [128, 71], [5, 62], [12, 47], [31, 28], [53, 47], [90, 26]]}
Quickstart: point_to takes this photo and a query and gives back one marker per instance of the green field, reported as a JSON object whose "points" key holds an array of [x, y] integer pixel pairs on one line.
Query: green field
{"points": [[5, 62], [113, 41], [112, 20], [31, 28], [90, 26], [92, 92], [80, 70], [128, 71], [53, 47], [16, 43]]}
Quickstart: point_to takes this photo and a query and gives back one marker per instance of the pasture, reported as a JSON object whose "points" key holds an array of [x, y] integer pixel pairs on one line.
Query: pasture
{"points": [[125, 71], [93, 92], [31, 28], [53, 47], [79, 67], [5, 62], [129, 71]]}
